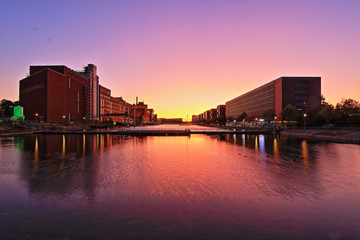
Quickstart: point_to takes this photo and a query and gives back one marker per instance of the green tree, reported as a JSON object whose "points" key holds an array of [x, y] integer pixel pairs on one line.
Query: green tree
{"points": [[6, 108], [289, 113], [242, 116], [348, 106], [222, 120], [269, 115], [328, 112]]}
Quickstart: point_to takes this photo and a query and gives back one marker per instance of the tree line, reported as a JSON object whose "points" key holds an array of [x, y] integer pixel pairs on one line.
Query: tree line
{"points": [[6, 108]]}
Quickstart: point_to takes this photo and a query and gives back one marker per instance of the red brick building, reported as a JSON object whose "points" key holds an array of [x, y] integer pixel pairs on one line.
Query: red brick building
{"points": [[59, 94], [105, 102]]}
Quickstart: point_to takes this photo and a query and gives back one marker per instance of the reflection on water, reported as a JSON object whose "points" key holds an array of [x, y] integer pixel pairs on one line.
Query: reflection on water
{"points": [[109, 186]]}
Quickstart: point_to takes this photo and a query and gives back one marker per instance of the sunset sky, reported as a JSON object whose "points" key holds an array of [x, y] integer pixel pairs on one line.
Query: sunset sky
{"points": [[185, 57]]}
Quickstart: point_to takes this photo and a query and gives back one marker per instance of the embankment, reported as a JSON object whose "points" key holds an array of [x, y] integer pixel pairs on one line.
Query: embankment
{"points": [[343, 136]]}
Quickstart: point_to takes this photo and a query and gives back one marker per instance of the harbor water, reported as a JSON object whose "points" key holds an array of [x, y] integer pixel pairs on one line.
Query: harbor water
{"points": [[178, 187]]}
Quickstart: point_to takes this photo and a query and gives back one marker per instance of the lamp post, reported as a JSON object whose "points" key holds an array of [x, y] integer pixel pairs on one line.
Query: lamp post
{"points": [[36, 121], [275, 123], [305, 120], [64, 117]]}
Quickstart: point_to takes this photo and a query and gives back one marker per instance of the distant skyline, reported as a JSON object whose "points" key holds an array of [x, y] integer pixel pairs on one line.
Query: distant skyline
{"points": [[185, 57]]}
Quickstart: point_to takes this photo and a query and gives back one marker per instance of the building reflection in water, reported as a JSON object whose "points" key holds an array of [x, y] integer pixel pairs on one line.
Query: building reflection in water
{"points": [[285, 162], [285, 148], [62, 164]]}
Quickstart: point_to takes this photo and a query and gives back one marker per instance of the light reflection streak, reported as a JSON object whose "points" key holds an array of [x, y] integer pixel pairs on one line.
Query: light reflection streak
{"points": [[83, 148], [97, 141], [275, 148], [102, 139], [305, 153], [262, 144], [63, 152], [256, 145], [36, 154]]}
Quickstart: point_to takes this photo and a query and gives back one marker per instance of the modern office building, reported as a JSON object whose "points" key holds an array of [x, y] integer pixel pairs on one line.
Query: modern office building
{"points": [[302, 92]]}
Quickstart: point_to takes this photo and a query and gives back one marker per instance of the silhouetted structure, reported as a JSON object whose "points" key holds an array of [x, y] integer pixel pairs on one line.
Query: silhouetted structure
{"points": [[170, 120]]}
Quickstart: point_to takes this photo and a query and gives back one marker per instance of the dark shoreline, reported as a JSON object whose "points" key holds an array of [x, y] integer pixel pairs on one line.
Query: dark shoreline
{"points": [[328, 135]]}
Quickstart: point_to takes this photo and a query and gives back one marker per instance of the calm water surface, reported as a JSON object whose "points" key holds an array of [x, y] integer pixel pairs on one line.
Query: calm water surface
{"points": [[197, 187]]}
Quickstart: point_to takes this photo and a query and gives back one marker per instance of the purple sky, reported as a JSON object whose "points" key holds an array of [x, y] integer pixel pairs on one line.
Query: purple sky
{"points": [[184, 57]]}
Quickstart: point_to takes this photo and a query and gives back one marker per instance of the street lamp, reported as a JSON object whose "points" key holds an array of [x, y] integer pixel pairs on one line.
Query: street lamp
{"points": [[305, 115], [275, 122], [36, 121]]}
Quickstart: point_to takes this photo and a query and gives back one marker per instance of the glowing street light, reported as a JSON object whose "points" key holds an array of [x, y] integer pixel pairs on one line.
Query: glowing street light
{"points": [[275, 123], [36, 115], [305, 115]]}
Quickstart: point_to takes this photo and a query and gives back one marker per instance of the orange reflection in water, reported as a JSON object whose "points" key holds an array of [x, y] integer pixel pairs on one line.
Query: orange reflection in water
{"points": [[175, 169], [305, 153], [36, 154], [84, 145], [276, 148], [256, 145], [63, 150]]}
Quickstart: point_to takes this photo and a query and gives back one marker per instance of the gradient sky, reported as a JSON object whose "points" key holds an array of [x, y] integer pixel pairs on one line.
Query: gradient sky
{"points": [[185, 57]]}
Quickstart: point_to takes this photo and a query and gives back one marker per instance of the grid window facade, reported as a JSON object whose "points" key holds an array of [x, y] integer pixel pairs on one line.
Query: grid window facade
{"points": [[255, 102]]}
